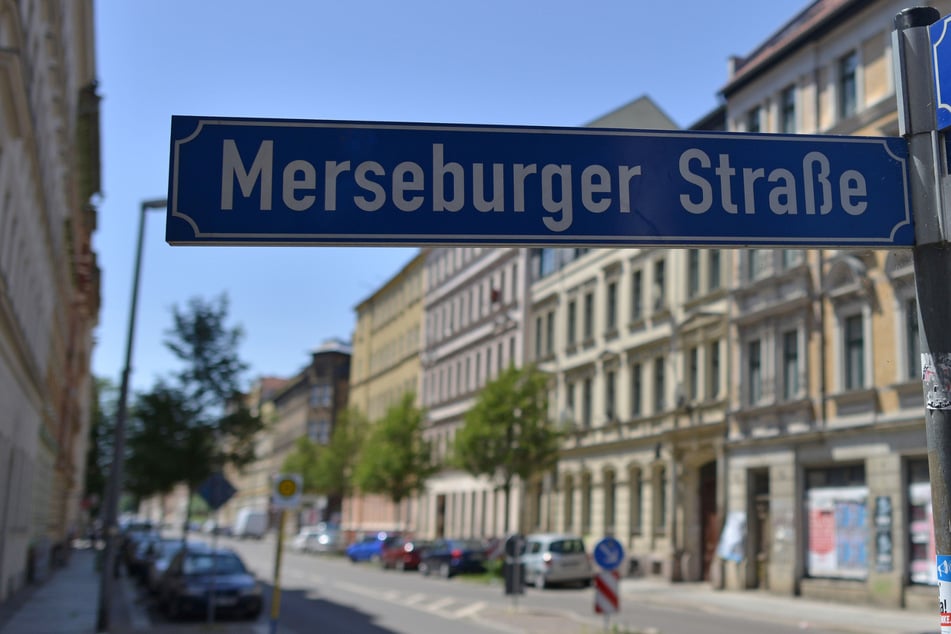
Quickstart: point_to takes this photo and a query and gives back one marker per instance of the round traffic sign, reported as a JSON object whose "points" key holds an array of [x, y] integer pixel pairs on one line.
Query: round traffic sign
{"points": [[287, 487], [608, 553]]}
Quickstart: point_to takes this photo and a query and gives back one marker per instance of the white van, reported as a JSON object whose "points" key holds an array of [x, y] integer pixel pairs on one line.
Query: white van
{"points": [[250, 523]]}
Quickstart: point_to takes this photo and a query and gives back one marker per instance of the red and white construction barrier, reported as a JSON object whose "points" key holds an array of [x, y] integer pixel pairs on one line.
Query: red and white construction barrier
{"points": [[607, 599]]}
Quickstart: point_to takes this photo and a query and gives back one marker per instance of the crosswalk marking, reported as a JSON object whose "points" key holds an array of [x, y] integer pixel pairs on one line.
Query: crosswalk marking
{"points": [[470, 610]]}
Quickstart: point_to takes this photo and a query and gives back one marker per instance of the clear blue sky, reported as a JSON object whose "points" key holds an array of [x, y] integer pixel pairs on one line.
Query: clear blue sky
{"points": [[523, 62]]}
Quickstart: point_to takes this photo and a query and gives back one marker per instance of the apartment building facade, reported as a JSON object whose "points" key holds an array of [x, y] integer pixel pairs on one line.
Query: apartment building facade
{"points": [[385, 366], [308, 406], [827, 463], [49, 278], [473, 327]]}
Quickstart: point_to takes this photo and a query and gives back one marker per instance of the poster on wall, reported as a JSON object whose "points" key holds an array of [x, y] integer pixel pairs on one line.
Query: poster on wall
{"points": [[921, 535], [733, 538], [838, 532]]}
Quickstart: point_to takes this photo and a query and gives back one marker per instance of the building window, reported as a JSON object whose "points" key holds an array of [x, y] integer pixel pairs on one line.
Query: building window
{"points": [[610, 493], [848, 85], [693, 374], [538, 337], [588, 316], [610, 390], [753, 119], [693, 273], [659, 283], [550, 333], [659, 387], [837, 523], [713, 370], [912, 342], [637, 390], [572, 322], [920, 522], [586, 504], [636, 488], [792, 258], [788, 114], [790, 364], [714, 269], [755, 264], [570, 398], [660, 501], [754, 372], [569, 505], [637, 295], [854, 352], [611, 317], [586, 403]]}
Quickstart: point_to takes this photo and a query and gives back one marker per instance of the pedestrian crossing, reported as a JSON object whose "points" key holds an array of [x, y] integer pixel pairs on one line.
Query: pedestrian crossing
{"points": [[451, 608]]}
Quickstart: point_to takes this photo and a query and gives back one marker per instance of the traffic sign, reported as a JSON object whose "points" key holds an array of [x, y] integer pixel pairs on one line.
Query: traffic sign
{"points": [[287, 491], [216, 490], [608, 553], [276, 181], [940, 33]]}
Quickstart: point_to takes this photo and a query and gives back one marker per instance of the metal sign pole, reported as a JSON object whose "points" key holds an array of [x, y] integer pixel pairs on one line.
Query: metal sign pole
{"points": [[276, 593], [915, 84]]}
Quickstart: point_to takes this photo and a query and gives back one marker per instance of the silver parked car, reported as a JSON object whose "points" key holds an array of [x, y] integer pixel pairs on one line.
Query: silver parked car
{"points": [[555, 558]]}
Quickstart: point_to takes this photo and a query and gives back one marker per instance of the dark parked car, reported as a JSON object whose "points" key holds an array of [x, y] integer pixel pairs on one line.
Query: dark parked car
{"points": [[187, 585], [450, 557], [160, 561], [370, 548], [403, 554]]}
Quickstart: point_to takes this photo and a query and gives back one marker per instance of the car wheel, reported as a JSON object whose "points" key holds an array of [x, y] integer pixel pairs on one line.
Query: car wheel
{"points": [[353, 559], [444, 570], [586, 583], [173, 609], [253, 614]]}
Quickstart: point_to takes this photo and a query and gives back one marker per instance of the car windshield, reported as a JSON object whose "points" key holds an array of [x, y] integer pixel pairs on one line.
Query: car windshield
{"points": [[207, 563], [567, 546]]}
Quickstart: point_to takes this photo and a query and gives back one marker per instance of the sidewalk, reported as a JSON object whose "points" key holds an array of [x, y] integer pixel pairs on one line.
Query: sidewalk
{"points": [[67, 603]]}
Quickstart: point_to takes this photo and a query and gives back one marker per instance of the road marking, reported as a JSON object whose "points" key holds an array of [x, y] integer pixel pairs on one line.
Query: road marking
{"points": [[391, 595], [469, 610], [413, 599], [439, 605]]}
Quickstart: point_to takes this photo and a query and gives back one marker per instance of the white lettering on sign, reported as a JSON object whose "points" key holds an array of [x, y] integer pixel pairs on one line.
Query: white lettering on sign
{"points": [[709, 183], [735, 191]]}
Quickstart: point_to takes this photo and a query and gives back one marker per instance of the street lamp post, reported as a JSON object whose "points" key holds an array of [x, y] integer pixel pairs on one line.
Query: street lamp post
{"points": [[114, 485]]}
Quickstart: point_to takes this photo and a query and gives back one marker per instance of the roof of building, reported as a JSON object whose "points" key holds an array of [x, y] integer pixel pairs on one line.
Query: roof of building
{"points": [[641, 113], [812, 22]]}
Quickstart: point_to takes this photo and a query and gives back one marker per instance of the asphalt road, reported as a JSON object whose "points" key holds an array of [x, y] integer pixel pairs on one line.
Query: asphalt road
{"points": [[330, 594]]}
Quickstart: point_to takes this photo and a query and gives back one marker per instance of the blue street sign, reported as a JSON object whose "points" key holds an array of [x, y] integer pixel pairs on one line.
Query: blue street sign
{"points": [[944, 567], [216, 490], [608, 553], [254, 181], [941, 54]]}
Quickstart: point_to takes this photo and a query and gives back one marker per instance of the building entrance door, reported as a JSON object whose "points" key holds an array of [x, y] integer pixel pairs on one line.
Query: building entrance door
{"points": [[759, 528], [709, 527]]}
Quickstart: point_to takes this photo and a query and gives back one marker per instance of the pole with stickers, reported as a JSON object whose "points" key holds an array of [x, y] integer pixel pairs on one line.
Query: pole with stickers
{"points": [[921, 48]]}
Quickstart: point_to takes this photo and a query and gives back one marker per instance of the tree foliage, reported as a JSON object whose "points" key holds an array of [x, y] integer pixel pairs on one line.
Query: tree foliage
{"points": [[507, 433], [99, 451], [328, 469], [191, 425], [396, 460]]}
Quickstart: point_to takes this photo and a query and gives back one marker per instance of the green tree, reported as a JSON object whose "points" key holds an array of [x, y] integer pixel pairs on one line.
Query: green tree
{"points": [[194, 424], [99, 451], [507, 433], [329, 469], [396, 460]]}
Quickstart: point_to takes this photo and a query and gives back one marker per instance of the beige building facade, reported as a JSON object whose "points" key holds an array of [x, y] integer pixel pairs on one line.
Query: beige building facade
{"points": [[49, 278], [827, 481], [384, 367]]}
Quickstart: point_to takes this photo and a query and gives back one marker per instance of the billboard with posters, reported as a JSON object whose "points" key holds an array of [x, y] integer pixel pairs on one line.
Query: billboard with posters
{"points": [[838, 532]]}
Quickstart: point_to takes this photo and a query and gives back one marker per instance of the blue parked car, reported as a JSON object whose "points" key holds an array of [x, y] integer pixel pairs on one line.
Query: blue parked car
{"points": [[370, 548]]}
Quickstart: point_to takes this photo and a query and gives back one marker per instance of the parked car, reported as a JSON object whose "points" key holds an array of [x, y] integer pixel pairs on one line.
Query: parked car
{"points": [[187, 585], [555, 558], [403, 554], [141, 551], [450, 557], [165, 552], [370, 548], [319, 538]]}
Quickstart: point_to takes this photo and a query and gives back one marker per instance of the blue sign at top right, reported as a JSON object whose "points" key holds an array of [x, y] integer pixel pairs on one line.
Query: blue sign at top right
{"points": [[941, 51]]}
